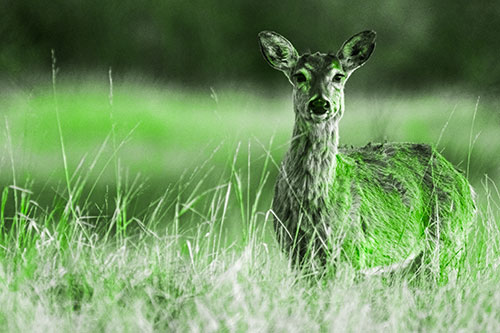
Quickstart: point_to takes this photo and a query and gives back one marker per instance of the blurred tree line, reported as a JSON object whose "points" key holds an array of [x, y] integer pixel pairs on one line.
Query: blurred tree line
{"points": [[421, 44]]}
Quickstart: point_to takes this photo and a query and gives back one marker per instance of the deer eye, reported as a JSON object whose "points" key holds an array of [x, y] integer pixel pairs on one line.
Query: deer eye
{"points": [[338, 77], [299, 77]]}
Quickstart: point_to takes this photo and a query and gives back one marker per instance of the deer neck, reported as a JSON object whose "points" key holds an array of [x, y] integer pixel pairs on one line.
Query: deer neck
{"points": [[312, 159]]}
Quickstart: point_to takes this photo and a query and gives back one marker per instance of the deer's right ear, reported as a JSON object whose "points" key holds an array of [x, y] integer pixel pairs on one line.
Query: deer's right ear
{"points": [[278, 51]]}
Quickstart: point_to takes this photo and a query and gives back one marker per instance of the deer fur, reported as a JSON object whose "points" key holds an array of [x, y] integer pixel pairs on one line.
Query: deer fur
{"points": [[375, 206]]}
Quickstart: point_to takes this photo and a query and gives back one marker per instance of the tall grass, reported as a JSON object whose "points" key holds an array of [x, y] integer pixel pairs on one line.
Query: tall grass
{"points": [[202, 257], [66, 271]]}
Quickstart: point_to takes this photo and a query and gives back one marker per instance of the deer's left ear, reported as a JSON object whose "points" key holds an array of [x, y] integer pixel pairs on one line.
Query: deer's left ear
{"points": [[356, 50], [278, 51]]}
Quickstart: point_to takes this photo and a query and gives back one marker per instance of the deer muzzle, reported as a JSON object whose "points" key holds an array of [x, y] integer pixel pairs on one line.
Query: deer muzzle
{"points": [[319, 106]]}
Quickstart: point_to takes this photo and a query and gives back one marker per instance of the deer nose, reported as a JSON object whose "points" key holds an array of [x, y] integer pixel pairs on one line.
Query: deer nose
{"points": [[319, 106]]}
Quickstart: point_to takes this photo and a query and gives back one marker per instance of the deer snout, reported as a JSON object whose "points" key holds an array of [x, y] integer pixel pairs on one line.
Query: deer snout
{"points": [[319, 106]]}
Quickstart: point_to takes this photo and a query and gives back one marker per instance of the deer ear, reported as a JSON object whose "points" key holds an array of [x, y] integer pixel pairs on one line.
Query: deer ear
{"points": [[278, 51], [356, 50]]}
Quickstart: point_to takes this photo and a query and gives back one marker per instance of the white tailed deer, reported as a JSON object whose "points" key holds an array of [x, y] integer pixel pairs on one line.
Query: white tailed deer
{"points": [[379, 207]]}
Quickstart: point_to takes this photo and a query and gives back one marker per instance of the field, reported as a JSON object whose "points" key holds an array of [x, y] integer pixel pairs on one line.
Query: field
{"points": [[138, 206]]}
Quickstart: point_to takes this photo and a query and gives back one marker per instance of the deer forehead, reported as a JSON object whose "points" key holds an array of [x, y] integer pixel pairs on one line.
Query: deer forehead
{"points": [[319, 64]]}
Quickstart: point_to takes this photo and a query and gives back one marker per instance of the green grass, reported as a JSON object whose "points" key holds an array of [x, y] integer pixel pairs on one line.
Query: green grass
{"points": [[188, 244]]}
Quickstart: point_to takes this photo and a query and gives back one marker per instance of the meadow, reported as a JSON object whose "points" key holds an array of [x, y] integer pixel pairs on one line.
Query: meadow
{"points": [[140, 206]]}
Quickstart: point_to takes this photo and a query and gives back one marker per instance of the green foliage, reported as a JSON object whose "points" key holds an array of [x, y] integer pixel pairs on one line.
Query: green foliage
{"points": [[420, 43]]}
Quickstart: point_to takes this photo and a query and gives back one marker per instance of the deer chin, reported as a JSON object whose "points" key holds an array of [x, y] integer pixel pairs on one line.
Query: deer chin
{"points": [[320, 117]]}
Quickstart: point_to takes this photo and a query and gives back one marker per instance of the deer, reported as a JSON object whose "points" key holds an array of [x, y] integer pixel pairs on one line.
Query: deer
{"points": [[379, 208]]}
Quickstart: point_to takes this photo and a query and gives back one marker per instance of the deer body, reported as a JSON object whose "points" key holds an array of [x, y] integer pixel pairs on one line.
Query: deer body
{"points": [[373, 206]]}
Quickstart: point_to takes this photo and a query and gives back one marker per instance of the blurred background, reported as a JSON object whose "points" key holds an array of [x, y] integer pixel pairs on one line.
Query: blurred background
{"points": [[420, 44], [189, 85]]}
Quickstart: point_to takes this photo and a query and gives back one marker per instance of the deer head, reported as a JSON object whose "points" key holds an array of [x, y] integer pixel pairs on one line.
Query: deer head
{"points": [[318, 79]]}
